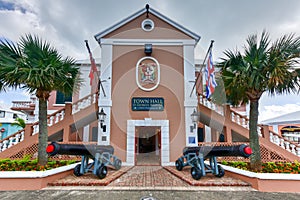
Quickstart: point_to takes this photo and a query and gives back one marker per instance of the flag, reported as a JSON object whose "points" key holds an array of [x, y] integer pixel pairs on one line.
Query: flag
{"points": [[93, 68], [210, 76]]}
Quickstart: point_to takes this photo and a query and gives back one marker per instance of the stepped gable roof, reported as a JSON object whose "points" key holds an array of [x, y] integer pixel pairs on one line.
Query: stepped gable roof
{"points": [[153, 12], [290, 118]]}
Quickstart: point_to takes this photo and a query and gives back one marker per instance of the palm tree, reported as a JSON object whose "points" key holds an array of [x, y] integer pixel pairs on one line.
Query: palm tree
{"points": [[19, 122], [263, 67], [34, 65]]}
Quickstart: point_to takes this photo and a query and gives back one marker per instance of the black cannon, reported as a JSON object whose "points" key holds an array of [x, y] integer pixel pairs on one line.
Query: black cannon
{"points": [[101, 155], [195, 157]]}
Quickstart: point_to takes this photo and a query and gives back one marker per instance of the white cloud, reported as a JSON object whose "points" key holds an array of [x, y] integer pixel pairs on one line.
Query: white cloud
{"points": [[271, 111], [66, 24]]}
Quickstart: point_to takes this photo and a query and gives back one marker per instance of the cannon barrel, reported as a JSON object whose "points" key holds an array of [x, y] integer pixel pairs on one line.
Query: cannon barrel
{"points": [[220, 151], [77, 149]]}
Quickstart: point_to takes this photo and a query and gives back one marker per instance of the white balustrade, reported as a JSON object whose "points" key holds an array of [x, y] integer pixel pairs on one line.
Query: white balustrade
{"points": [[17, 138], [212, 106], [11, 141], [5, 145], [89, 101], [287, 146], [62, 115], [94, 98], [76, 107], [232, 117], [281, 143], [298, 150], [293, 149], [22, 136], [238, 120], [259, 131], [206, 102], [57, 118], [35, 129], [276, 139], [201, 99], [51, 119]]}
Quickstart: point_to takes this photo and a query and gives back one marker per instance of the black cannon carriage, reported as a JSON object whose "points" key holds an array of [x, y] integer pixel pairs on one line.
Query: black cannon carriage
{"points": [[195, 157], [102, 156]]}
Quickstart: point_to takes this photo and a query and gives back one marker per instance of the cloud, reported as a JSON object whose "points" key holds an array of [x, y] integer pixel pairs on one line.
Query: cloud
{"points": [[271, 111], [66, 24]]}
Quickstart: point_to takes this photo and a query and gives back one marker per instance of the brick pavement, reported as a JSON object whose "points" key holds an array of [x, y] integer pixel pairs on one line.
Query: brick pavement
{"points": [[90, 179], [208, 180], [149, 177]]}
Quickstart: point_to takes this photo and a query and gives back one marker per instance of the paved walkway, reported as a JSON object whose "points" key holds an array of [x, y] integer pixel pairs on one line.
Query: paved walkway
{"points": [[146, 183], [148, 176], [152, 177]]}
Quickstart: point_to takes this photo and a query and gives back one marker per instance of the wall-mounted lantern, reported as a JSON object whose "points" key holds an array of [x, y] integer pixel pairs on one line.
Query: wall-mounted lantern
{"points": [[195, 119], [148, 49], [101, 117]]}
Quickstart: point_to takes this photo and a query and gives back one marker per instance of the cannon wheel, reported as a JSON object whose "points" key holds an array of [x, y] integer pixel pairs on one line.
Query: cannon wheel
{"points": [[221, 171], [76, 170], [196, 173], [117, 164], [179, 164], [101, 172]]}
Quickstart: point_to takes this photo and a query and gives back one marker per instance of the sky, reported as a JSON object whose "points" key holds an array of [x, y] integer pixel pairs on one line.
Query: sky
{"points": [[67, 23]]}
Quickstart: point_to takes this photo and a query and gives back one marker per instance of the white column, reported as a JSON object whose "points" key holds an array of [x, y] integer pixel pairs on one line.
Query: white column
{"points": [[105, 102], [86, 133], [190, 101], [207, 134], [130, 142]]}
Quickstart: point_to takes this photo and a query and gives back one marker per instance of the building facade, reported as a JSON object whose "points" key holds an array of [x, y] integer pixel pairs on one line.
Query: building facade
{"points": [[7, 117], [147, 74]]}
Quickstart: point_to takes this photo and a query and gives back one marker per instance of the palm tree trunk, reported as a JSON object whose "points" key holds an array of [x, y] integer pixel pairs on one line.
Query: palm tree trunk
{"points": [[255, 159], [43, 132]]}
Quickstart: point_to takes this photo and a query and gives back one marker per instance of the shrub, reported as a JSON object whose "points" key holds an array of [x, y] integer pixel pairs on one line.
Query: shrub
{"points": [[269, 167], [26, 164]]}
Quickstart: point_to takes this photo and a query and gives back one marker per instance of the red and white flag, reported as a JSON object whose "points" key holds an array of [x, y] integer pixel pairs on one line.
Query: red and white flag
{"points": [[93, 68], [210, 76]]}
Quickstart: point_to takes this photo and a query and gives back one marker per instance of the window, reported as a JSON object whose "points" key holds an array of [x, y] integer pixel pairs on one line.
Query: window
{"points": [[61, 99], [147, 25], [15, 116], [2, 114]]}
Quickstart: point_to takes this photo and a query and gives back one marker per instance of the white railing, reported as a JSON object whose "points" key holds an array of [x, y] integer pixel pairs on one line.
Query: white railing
{"points": [[56, 117], [243, 121], [285, 143], [84, 103], [23, 104], [211, 105], [239, 119], [12, 140], [52, 120]]}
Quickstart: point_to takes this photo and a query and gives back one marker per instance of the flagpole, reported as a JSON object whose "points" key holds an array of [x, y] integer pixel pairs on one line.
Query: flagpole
{"points": [[87, 46], [198, 76], [99, 80]]}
